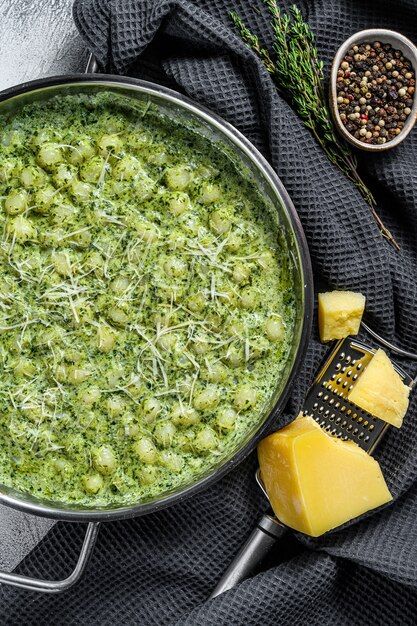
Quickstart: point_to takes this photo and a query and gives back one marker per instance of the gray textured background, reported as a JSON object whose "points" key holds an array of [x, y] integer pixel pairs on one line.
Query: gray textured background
{"points": [[37, 38]]}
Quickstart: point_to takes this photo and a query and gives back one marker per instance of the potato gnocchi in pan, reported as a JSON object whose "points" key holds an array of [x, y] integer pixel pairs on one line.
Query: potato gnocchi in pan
{"points": [[146, 302]]}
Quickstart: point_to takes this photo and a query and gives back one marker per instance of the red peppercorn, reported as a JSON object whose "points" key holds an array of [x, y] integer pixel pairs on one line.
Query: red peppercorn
{"points": [[350, 97], [364, 117], [347, 74]]}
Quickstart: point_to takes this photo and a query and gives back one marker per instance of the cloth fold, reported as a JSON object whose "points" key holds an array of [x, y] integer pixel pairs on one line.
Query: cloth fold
{"points": [[161, 568]]}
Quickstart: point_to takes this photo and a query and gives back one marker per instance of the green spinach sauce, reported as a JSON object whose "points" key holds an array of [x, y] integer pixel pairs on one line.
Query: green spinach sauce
{"points": [[146, 302]]}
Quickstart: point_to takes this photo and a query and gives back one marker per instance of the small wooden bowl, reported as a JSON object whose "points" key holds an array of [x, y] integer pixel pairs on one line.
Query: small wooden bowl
{"points": [[398, 42]]}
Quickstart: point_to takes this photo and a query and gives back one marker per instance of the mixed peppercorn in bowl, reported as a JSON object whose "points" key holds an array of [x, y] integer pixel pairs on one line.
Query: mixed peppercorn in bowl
{"points": [[373, 89]]}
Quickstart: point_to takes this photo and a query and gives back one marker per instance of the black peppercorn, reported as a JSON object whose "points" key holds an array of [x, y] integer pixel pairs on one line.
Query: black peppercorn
{"points": [[375, 88]]}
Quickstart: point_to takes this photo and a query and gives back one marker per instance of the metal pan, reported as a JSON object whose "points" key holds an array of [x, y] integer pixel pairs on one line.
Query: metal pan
{"points": [[256, 167]]}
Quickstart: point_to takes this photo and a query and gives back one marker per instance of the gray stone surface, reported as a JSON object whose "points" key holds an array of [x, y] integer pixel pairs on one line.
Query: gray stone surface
{"points": [[19, 533], [37, 38]]}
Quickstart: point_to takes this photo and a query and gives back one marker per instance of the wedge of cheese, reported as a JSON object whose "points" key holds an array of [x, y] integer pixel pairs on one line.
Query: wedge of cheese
{"points": [[380, 391], [316, 482], [340, 314]]}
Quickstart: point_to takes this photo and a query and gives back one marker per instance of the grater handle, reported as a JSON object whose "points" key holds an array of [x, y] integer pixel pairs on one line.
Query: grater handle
{"points": [[262, 539]]}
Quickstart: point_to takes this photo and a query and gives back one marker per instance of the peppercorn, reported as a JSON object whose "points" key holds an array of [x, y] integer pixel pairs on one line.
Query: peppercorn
{"points": [[375, 88]]}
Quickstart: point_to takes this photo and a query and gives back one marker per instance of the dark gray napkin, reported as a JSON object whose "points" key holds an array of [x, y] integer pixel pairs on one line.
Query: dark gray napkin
{"points": [[161, 568]]}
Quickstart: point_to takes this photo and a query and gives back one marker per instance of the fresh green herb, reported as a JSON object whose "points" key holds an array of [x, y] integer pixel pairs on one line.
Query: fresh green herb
{"points": [[297, 73]]}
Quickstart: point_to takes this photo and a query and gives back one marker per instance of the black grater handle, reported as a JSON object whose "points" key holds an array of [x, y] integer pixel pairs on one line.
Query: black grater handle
{"points": [[263, 537]]}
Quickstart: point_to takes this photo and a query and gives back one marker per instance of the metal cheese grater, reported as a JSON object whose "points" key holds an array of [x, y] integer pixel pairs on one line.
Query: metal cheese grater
{"points": [[327, 400], [327, 403]]}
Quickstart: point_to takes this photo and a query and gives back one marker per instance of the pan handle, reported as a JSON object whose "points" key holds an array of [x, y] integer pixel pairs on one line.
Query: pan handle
{"points": [[56, 586], [92, 65], [263, 537]]}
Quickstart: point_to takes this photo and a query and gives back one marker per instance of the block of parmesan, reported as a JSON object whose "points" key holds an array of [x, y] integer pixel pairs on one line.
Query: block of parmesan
{"points": [[380, 390], [316, 482], [340, 314]]}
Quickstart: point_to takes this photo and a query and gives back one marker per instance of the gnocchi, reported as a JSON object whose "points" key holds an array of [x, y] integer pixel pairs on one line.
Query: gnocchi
{"points": [[147, 306]]}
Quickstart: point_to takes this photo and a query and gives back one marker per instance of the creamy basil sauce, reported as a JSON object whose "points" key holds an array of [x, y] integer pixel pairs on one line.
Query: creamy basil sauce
{"points": [[146, 302]]}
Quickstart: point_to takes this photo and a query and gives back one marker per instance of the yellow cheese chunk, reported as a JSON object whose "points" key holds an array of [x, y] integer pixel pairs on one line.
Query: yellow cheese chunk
{"points": [[380, 391], [340, 314], [316, 482]]}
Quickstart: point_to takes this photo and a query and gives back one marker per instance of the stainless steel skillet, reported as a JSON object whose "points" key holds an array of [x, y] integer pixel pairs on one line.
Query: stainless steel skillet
{"points": [[245, 155]]}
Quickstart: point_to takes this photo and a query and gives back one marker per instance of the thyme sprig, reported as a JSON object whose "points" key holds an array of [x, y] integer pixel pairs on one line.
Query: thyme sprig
{"points": [[298, 75]]}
